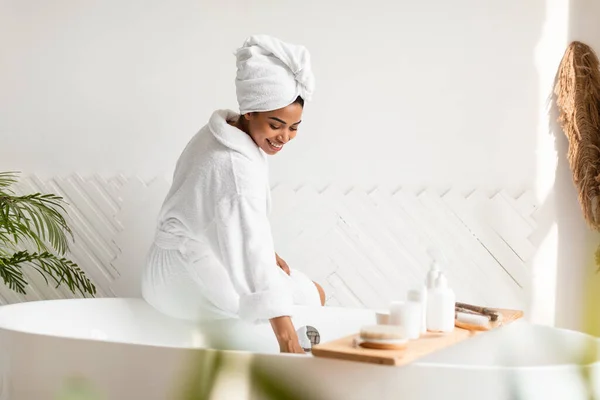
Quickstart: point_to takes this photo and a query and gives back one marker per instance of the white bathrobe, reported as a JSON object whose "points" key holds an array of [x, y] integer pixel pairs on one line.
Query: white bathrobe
{"points": [[213, 255]]}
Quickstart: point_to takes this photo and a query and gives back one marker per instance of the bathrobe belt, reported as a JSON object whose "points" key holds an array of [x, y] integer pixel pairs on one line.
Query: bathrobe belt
{"points": [[169, 241]]}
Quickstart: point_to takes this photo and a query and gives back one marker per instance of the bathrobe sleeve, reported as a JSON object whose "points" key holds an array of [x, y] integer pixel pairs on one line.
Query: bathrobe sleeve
{"points": [[247, 251]]}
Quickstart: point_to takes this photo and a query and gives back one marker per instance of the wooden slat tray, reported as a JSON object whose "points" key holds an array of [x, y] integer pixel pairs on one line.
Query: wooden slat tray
{"points": [[344, 349]]}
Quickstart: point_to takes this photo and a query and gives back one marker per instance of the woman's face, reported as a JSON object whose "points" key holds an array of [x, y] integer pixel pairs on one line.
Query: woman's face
{"points": [[272, 130]]}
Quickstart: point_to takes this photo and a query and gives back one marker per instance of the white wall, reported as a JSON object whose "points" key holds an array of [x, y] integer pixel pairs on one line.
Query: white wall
{"points": [[428, 92]]}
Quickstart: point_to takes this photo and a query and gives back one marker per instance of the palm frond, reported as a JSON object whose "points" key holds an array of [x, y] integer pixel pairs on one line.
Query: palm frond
{"points": [[13, 233], [60, 270], [12, 275], [7, 179], [4, 237], [4, 251], [35, 218]]}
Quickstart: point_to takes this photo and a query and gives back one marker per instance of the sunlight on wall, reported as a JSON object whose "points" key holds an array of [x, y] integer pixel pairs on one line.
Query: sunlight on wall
{"points": [[549, 51], [582, 292]]}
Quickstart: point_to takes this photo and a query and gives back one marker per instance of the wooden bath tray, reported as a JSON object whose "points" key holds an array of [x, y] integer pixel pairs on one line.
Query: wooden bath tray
{"points": [[344, 349]]}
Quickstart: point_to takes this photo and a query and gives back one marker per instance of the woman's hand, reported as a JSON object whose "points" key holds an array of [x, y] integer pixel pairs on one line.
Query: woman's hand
{"points": [[282, 264], [286, 335]]}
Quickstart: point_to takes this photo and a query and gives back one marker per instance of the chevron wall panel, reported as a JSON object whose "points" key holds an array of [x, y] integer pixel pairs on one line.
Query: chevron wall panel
{"points": [[365, 247]]}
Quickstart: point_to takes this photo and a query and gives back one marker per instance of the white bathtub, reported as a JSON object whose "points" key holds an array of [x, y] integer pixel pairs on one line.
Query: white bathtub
{"points": [[123, 349]]}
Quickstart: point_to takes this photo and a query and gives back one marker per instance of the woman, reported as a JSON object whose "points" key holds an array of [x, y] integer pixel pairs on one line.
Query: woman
{"points": [[213, 255]]}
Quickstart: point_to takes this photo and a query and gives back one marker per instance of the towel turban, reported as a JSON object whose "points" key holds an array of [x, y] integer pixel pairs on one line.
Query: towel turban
{"points": [[271, 74]]}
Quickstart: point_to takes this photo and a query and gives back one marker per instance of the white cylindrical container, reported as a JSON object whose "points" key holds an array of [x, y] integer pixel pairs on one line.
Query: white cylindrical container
{"points": [[408, 315], [396, 313], [432, 274], [382, 317], [413, 314], [440, 306], [421, 297]]}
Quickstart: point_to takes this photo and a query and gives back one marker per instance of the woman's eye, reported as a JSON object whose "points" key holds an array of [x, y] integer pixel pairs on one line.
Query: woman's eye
{"points": [[293, 129], [274, 127]]}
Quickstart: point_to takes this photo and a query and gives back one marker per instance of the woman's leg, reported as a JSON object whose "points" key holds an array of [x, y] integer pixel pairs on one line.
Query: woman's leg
{"points": [[303, 289], [321, 293]]}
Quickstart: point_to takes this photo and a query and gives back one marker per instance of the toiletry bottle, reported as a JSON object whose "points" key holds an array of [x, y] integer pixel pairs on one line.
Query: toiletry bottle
{"points": [[407, 314], [440, 306], [432, 275], [429, 284], [423, 293], [413, 313], [396, 312]]}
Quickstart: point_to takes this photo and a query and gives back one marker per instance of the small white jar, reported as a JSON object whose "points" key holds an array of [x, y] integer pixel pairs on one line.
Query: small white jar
{"points": [[408, 315]]}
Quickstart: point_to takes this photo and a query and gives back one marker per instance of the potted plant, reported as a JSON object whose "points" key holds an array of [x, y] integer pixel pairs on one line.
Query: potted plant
{"points": [[34, 234]]}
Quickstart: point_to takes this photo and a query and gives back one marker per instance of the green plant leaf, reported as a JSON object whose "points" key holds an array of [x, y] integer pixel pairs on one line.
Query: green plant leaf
{"points": [[203, 376], [270, 387], [60, 270], [12, 276], [7, 179], [35, 218]]}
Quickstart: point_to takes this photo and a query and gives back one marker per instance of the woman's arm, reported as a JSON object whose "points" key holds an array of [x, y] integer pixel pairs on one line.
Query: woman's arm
{"points": [[286, 335], [246, 248], [282, 264]]}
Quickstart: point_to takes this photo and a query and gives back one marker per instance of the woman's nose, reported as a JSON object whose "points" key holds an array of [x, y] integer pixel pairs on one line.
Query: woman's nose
{"points": [[284, 138]]}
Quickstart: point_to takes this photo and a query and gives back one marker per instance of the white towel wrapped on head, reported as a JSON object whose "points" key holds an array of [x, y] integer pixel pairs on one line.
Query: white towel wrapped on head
{"points": [[271, 74]]}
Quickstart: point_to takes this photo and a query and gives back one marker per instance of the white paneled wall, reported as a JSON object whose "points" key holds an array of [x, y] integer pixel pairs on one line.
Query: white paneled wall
{"points": [[425, 92], [366, 247]]}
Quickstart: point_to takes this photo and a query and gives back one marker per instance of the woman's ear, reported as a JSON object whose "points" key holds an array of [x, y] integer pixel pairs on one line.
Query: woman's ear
{"points": [[248, 116]]}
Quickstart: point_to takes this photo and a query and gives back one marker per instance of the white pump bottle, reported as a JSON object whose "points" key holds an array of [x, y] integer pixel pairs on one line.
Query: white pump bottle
{"points": [[429, 284], [440, 306]]}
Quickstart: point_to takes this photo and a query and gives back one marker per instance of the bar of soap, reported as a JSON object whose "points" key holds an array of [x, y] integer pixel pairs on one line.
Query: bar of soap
{"points": [[392, 333], [383, 337]]}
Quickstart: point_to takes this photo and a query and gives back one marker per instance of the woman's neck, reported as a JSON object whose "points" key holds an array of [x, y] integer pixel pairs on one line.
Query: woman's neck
{"points": [[241, 124]]}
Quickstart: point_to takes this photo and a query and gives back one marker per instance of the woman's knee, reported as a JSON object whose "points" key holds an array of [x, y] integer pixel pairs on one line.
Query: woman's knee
{"points": [[321, 293]]}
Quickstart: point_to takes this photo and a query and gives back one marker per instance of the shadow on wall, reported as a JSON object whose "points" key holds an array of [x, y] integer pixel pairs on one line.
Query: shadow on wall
{"points": [[571, 230]]}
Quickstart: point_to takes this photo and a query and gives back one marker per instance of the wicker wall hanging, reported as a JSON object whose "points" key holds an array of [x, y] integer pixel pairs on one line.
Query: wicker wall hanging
{"points": [[578, 99]]}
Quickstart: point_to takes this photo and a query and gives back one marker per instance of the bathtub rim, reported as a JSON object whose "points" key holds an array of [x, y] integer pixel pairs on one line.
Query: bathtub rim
{"points": [[424, 364], [417, 364]]}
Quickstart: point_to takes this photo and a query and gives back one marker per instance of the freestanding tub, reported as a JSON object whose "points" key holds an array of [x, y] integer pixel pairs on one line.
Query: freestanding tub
{"points": [[123, 349]]}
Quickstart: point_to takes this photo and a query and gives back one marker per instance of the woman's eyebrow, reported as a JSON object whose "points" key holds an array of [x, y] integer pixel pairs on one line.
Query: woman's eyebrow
{"points": [[278, 120]]}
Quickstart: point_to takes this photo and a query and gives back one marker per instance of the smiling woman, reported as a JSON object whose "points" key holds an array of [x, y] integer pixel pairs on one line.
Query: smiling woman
{"points": [[273, 129], [213, 256]]}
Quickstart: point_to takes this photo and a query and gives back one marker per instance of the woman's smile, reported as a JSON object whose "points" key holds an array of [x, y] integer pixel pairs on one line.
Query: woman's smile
{"points": [[275, 146]]}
